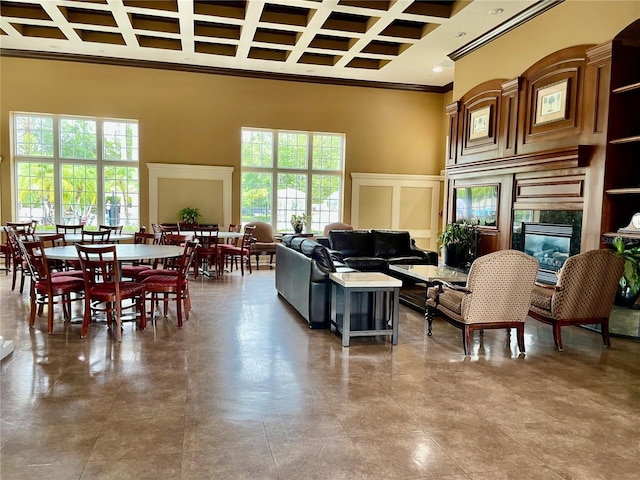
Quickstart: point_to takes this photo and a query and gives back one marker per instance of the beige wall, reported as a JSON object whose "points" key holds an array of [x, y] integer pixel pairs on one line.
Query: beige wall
{"points": [[573, 22], [196, 118]]}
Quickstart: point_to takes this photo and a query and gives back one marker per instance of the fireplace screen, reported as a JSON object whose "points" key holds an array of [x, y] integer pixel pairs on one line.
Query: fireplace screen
{"points": [[548, 243]]}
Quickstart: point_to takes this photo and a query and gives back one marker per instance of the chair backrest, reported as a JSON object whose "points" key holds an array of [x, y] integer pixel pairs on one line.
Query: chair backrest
{"points": [[14, 237], [99, 265], [35, 259], [501, 284], [587, 285], [174, 239], [141, 238], [335, 226], [62, 228], [263, 231], [207, 236], [95, 236], [249, 236], [186, 260], [52, 240], [236, 229], [117, 229]]}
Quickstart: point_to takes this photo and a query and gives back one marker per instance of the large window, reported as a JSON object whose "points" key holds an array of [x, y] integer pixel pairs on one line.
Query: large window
{"points": [[76, 170], [287, 173]]}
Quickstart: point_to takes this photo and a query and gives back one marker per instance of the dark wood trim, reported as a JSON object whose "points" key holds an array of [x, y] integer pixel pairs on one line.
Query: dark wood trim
{"points": [[123, 62], [572, 157], [505, 27]]}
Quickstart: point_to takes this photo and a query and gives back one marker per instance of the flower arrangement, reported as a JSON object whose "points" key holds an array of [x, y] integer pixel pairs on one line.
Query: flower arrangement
{"points": [[299, 221]]}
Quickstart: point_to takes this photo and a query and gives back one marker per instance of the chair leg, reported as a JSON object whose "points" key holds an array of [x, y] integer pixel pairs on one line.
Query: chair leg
{"points": [[141, 309], [257, 260], [520, 332], [249, 263], [179, 309], [466, 337], [604, 326], [50, 314], [87, 316], [34, 307], [557, 336]]}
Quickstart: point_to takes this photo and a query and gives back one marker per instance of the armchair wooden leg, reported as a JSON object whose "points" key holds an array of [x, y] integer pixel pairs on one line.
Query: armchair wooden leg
{"points": [[428, 316], [557, 336], [604, 326], [466, 337], [520, 331]]}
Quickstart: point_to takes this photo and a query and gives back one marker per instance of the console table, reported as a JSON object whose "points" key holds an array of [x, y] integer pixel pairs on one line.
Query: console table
{"points": [[375, 282]]}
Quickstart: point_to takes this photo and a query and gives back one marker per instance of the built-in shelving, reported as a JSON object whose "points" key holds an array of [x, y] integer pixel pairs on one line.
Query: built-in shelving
{"points": [[624, 191], [626, 88], [617, 141]]}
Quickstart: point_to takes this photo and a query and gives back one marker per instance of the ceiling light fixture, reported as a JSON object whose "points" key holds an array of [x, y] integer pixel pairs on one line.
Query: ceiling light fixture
{"points": [[437, 69], [459, 34], [496, 11]]}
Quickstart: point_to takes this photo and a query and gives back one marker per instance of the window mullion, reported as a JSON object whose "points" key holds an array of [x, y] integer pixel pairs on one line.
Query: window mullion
{"points": [[57, 171], [309, 172]]}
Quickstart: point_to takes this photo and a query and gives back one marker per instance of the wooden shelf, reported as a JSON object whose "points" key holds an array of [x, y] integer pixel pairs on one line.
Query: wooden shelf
{"points": [[635, 138], [627, 88], [623, 191]]}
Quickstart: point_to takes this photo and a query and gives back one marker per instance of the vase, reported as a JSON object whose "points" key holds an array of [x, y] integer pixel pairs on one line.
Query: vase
{"points": [[297, 229], [455, 255], [625, 297]]}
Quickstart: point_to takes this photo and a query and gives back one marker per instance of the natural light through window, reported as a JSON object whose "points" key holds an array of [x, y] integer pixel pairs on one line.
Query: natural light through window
{"points": [[90, 175], [287, 173]]}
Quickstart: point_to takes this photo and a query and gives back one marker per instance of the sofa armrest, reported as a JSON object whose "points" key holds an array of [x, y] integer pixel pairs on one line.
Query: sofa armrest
{"points": [[324, 241]]}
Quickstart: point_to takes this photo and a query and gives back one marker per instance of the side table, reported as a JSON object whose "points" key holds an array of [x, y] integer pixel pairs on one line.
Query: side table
{"points": [[375, 282]]}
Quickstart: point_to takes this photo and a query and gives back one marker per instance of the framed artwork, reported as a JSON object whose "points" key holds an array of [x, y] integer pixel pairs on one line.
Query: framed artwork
{"points": [[479, 123], [551, 102]]}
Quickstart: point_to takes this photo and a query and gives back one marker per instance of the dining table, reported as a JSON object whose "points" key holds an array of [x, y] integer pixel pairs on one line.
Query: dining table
{"points": [[77, 237], [124, 251]]}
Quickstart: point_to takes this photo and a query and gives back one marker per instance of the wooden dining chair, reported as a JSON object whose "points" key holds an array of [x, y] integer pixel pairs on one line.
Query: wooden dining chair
{"points": [[63, 228], [132, 271], [103, 286], [115, 229], [18, 262], [49, 287], [207, 253], [95, 236], [168, 266], [242, 252], [163, 287]]}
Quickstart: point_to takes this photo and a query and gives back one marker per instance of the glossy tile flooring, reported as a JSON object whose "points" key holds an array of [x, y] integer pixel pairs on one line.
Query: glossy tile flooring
{"points": [[246, 391]]}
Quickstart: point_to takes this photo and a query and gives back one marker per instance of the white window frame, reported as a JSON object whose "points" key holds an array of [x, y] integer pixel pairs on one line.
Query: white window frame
{"points": [[309, 172], [58, 161]]}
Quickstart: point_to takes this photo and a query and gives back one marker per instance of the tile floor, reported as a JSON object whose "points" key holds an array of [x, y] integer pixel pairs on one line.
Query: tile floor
{"points": [[246, 391]]}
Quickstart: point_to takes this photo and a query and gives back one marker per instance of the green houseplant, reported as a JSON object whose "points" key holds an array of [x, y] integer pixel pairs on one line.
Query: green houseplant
{"points": [[458, 240], [629, 287], [190, 215]]}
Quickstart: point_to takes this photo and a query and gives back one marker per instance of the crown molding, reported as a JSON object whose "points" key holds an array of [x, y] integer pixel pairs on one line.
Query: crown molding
{"points": [[514, 22], [121, 62]]}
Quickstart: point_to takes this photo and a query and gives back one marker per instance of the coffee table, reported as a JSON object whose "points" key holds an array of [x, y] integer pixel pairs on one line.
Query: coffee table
{"points": [[427, 274], [376, 282]]}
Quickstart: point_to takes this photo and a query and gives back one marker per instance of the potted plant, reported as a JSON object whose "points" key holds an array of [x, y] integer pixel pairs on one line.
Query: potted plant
{"points": [[458, 240], [629, 287], [190, 215], [298, 222]]}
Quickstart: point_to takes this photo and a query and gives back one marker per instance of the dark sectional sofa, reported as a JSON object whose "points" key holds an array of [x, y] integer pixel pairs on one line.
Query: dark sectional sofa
{"points": [[303, 267]]}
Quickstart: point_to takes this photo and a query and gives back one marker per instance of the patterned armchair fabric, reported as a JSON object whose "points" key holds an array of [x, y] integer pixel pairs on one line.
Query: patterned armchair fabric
{"points": [[497, 295], [584, 293]]}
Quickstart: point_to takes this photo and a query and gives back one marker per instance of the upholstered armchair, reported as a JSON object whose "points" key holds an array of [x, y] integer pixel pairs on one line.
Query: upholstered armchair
{"points": [[264, 243], [497, 295], [335, 226], [583, 294]]}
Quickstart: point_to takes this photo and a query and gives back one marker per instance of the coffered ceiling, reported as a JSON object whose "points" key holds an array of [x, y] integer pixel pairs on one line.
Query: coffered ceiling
{"points": [[403, 43]]}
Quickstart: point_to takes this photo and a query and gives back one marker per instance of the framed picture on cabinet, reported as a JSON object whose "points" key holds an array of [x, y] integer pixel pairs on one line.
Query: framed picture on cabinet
{"points": [[551, 102], [479, 122]]}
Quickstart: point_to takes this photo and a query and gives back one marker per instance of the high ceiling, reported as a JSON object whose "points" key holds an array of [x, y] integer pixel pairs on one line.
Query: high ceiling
{"points": [[384, 41]]}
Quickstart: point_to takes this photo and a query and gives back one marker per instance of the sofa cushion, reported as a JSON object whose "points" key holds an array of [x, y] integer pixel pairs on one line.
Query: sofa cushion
{"points": [[352, 243], [411, 260], [366, 264], [319, 253], [387, 244]]}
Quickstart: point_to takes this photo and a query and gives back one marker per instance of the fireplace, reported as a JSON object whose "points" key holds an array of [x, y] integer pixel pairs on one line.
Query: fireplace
{"points": [[548, 243]]}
